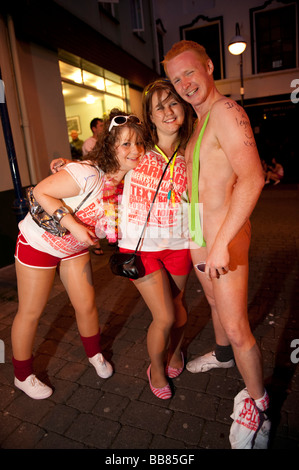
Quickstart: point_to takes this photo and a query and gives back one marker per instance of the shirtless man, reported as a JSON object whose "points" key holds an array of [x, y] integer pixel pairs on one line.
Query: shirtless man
{"points": [[229, 184]]}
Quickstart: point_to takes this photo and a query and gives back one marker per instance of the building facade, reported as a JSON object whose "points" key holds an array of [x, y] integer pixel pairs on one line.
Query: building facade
{"points": [[269, 63]]}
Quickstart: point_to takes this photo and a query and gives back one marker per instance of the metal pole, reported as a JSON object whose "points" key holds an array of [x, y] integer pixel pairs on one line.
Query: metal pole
{"points": [[20, 204], [242, 84]]}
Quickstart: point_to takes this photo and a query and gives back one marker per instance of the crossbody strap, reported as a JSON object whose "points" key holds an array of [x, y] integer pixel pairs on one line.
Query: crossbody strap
{"points": [[154, 198], [87, 196], [82, 202]]}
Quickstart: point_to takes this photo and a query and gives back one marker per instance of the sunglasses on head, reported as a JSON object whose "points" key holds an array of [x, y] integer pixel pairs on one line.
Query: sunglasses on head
{"points": [[120, 120]]}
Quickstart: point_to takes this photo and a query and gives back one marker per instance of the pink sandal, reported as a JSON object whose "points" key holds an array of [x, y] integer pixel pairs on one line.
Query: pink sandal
{"points": [[163, 393], [173, 372]]}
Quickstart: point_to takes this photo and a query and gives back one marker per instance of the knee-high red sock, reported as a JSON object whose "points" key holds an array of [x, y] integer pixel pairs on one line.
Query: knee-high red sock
{"points": [[23, 369], [91, 344]]}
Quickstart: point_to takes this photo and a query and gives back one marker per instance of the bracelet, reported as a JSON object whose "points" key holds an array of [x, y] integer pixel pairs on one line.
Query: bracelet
{"points": [[59, 213]]}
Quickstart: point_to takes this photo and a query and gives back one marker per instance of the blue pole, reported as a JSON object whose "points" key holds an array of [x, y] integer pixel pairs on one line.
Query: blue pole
{"points": [[20, 203]]}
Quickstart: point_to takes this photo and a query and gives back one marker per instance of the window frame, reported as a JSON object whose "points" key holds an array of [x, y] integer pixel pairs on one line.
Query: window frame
{"points": [[206, 22], [267, 7], [137, 14], [112, 13]]}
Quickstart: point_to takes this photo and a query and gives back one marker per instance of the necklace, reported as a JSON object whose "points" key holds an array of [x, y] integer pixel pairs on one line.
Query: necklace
{"points": [[171, 192]]}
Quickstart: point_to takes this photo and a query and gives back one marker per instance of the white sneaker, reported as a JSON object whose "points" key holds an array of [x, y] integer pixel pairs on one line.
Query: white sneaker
{"points": [[102, 367], [34, 388], [207, 362], [251, 427]]}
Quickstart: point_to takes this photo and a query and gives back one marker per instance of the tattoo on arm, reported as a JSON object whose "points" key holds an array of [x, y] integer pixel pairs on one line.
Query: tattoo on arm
{"points": [[243, 122]]}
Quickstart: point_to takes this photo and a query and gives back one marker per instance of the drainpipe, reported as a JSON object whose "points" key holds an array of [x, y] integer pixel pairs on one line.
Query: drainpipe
{"points": [[20, 204], [23, 111], [154, 36]]}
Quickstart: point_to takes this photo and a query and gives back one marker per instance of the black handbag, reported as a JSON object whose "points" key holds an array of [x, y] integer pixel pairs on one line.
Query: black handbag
{"points": [[129, 264], [43, 219]]}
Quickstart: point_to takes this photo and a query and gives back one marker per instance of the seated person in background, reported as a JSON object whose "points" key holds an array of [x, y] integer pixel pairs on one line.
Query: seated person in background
{"points": [[275, 172], [265, 168]]}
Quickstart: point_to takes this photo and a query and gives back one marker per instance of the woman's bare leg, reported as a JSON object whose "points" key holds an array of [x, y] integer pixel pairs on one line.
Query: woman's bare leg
{"points": [[76, 275], [178, 285], [34, 287], [156, 292]]}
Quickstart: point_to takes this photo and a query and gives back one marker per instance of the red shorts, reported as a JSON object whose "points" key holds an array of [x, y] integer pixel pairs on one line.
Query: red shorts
{"points": [[176, 262], [29, 256]]}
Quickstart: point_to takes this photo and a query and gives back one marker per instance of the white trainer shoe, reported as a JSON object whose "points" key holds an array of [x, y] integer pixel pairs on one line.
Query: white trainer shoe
{"points": [[103, 368], [34, 388], [207, 362]]}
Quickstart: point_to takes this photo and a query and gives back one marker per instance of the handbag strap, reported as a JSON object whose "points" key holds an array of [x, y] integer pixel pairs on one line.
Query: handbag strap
{"points": [[154, 198], [82, 202], [86, 197]]}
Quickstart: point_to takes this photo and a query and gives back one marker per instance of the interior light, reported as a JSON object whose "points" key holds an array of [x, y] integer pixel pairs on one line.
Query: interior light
{"points": [[90, 99], [77, 77], [100, 84]]}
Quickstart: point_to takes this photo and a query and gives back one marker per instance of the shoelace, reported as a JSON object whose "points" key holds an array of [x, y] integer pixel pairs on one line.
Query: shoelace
{"points": [[101, 360]]}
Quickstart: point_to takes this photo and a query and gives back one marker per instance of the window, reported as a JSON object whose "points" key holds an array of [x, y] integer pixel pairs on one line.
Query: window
{"points": [[137, 16], [275, 32], [87, 83], [109, 7], [210, 35], [160, 36]]}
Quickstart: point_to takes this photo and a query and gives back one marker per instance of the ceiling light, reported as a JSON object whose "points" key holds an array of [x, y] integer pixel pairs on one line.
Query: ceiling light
{"points": [[90, 99], [77, 77]]}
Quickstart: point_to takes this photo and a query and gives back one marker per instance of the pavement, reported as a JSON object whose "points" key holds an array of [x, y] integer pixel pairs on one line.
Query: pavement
{"points": [[119, 413]]}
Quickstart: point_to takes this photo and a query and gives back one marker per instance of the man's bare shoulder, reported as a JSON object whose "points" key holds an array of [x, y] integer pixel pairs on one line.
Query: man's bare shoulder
{"points": [[225, 105], [229, 118]]}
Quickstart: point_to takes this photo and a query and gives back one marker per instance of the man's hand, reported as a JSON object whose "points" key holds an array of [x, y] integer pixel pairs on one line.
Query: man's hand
{"points": [[57, 164], [217, 263]]}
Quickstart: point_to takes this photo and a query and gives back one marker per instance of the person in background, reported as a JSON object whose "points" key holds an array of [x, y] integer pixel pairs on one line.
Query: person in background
{"points": [[164, 251], [39, 253], [76, 145], [223, 193], [96, 126], [275, 173]]}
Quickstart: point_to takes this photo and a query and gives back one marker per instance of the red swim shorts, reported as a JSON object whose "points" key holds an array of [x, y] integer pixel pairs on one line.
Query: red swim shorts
{"points": [[176, 262], [33, 258]]}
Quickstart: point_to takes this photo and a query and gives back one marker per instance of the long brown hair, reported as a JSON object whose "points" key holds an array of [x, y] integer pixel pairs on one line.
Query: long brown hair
{"points": [[159, 86]]}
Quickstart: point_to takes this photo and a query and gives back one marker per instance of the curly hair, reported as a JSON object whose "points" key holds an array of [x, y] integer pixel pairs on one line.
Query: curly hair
{"points": [[160, 86], [104, 152]]}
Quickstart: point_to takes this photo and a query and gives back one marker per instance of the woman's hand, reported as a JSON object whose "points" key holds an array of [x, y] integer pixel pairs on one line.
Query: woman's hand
{"points": [[80, 232]]}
